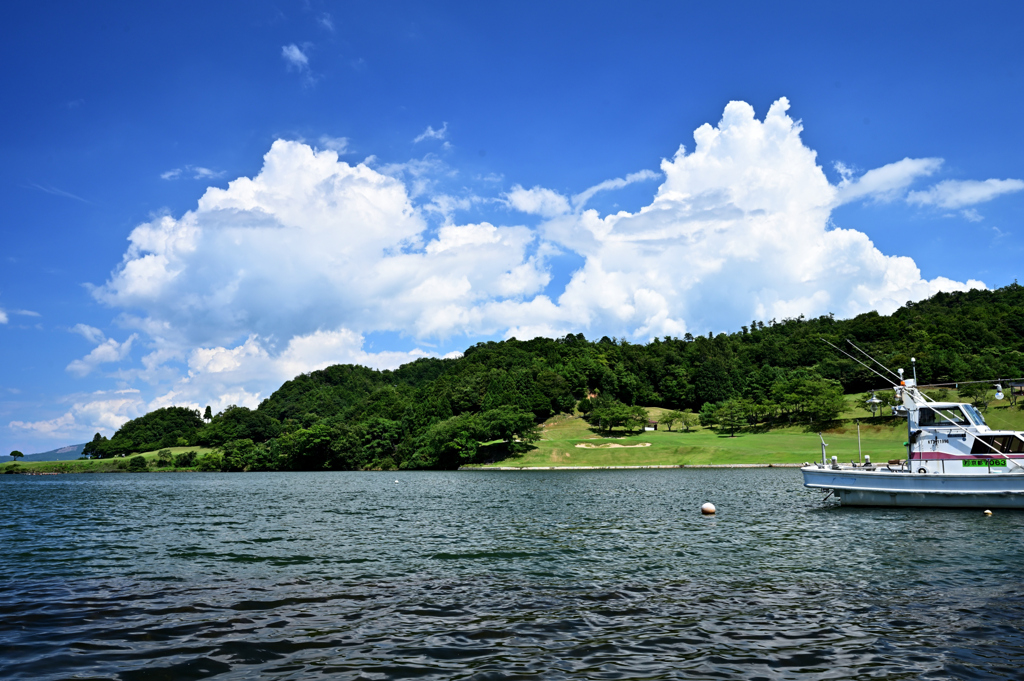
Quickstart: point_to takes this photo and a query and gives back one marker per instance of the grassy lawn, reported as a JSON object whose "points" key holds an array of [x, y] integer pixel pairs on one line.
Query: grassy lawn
{"points": [[97, 465], [881, 437]]}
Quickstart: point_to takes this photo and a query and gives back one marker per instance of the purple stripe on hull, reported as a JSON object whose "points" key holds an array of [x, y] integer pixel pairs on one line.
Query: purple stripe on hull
{"points": [[934, 456]]}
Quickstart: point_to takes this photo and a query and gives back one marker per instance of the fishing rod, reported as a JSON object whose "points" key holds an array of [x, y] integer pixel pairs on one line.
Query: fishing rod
{"points": [[838, 349], [926, 397], [899, 378]]}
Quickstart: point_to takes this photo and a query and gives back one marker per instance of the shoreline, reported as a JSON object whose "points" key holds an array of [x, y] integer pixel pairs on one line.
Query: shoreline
{"points": [[602, 468]]}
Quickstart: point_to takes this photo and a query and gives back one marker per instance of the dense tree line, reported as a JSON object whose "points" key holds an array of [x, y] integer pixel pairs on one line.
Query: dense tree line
{"points": [[167, 427], [440, 413]]}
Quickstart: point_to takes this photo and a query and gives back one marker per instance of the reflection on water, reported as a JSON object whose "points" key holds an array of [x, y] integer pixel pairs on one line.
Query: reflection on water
{"points": [[498, 575]]}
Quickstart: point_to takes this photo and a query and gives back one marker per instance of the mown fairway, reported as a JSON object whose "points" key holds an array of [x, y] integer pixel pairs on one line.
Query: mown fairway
{"points": [[881, 438], [704, 446]]}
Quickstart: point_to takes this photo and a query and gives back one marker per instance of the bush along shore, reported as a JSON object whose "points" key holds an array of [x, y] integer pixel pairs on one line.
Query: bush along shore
{"points": [[762, 391]]}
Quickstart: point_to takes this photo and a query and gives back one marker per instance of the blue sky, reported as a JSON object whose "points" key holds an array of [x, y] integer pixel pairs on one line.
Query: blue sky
{"points": [[409, 178]]}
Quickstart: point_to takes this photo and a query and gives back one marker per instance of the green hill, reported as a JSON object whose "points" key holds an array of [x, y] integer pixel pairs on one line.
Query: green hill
{"points": [[774, 381]]}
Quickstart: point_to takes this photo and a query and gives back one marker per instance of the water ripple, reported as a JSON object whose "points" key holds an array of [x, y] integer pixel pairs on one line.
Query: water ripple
{"points": [[581, 575]]}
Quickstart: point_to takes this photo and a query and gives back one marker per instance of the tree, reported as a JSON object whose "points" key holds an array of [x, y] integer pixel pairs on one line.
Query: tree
{"points": [[137, 464], [514, 426], [238, 454], [711, 381], [585, 406], [157, 429], [208, 414], [674, 388], [209, 462], [94, 448], [237, 423], [379, 439], [888, 398], [731, 416], [828, 401], [637, 418], [16, 455], [977, 393], [671, 418], [708, 414], [689, 420], [450, 443], [185, 460], [611, 415]]}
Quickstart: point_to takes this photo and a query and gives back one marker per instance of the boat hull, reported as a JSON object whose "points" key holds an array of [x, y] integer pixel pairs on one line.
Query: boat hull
{"points": [[931, 499], [882, 488]]}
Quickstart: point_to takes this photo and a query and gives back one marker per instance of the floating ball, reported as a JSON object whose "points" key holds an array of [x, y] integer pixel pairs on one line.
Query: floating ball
{"points": [[988, 512], [708, 509]]}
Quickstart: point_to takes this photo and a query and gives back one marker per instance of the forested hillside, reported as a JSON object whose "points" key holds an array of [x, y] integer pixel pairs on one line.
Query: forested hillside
{"points": [[440, 413]]}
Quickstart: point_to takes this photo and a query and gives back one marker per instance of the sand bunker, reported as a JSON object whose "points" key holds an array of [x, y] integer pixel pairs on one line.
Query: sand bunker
{"points": [[611, 445]]}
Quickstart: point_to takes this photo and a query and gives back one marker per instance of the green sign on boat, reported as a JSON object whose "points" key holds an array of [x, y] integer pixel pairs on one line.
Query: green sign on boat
{"points": [[984, 462]]}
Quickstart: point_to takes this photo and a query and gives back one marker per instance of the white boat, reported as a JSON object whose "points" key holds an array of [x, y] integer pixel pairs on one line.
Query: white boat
{"points": [[953, 460]]}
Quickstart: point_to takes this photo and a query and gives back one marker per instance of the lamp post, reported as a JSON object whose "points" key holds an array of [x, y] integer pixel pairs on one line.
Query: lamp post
{"points": [[874, 402]]}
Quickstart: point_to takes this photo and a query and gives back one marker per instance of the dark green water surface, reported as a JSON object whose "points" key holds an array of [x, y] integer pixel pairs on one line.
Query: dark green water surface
{"points": [[497, 575]]}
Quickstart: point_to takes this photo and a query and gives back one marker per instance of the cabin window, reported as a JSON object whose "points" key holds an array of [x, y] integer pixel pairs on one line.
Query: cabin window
{"points": [[975, 415], [942, 416], [1002, 444], [984, 445]]}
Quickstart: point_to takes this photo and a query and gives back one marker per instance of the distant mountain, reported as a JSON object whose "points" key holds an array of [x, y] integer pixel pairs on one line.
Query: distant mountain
{"points": [[68, 453]]}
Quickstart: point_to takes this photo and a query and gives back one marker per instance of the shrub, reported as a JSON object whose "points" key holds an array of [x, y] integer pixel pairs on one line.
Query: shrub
{"points": [[137, 464], [708, 414], [209, 462], [185, 460], [163, 458]]}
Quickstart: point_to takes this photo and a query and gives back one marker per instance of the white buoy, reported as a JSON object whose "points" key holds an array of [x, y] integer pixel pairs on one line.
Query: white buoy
{"points": [[708, 509], [988, 512]]}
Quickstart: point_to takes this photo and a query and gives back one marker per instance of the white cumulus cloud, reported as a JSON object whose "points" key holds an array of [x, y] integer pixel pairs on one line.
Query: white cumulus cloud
{"points": [[107, 351], [315, 243], [431, 134], [102, 411], [739, 230], [197, 173], [89, 333], [960, 193], [247, 373], [537, 201], [885, 183], [295, 57], [291, 270], [580, 200], [338, 144], [5, 314]]}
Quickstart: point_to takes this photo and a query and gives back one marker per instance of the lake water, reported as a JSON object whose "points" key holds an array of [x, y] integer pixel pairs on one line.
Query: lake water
{"points": [[497, 575]]}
